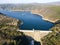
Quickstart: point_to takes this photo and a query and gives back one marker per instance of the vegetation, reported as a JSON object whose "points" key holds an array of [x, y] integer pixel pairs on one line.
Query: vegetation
{"points": [[9, 34], [56, 9], [54, 37], [12, 37]]}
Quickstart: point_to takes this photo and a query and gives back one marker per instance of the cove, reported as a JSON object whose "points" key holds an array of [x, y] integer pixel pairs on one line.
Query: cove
{"points": [[29, 21]]}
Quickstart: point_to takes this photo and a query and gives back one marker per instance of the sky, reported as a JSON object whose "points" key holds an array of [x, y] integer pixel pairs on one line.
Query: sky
{"points": [[26, 1]]}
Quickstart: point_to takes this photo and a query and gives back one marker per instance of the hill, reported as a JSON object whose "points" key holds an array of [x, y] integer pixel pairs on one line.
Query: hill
{"points": [[54, 37], [8, 32]]}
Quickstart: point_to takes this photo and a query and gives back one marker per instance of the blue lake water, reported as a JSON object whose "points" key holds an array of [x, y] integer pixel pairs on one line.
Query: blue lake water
{"points": [[30, 21]]}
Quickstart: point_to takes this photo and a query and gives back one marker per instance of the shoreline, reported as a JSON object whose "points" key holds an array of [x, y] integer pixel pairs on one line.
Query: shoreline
{"points": [[46, 19]]}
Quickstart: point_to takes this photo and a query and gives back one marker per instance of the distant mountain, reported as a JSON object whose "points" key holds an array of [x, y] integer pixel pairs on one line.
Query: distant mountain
{"points": [[27, 6], [54, 3]]}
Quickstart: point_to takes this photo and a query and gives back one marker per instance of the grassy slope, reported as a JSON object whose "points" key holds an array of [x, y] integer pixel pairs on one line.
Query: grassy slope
{"points": [[56, 9], [51, 13]]}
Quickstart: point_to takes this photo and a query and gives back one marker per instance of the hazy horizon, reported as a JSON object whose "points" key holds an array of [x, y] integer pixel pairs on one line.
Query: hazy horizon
{"points": [[26, 1]]}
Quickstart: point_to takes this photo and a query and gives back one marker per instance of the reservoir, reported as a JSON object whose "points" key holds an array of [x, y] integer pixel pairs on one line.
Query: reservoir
{"points": [[29, 21]]}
